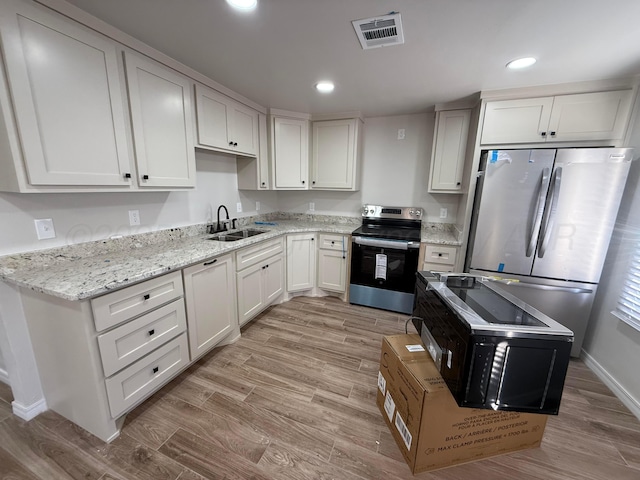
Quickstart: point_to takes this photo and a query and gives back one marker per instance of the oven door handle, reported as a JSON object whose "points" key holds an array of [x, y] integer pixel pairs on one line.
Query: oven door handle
{"points": [[394, 244]]}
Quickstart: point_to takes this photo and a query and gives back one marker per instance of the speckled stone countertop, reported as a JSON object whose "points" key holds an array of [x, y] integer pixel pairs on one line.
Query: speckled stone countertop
{"points": [[86, 270]]}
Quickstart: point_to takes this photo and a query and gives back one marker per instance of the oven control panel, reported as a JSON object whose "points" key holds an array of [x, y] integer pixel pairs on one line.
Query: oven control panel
{"points": [[378, 211]]}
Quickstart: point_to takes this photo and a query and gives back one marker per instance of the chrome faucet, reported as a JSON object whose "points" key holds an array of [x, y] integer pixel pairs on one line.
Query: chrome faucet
{"points": [[225, 226]]}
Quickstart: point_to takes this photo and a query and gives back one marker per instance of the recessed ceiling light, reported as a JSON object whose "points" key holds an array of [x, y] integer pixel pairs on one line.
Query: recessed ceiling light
{"points": [[243, 4], [521, 63], [325, 87]]}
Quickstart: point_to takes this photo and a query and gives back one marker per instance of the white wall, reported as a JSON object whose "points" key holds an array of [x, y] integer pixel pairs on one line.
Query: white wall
{"points": [[82, 217], [394, 172], [612, 346]]}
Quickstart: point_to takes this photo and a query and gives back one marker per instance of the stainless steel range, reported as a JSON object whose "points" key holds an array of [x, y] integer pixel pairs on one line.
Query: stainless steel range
{"points": [[384, 257]]}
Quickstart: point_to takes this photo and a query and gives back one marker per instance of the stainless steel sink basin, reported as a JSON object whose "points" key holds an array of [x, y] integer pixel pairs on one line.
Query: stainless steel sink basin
{"points": [[237, 235]]}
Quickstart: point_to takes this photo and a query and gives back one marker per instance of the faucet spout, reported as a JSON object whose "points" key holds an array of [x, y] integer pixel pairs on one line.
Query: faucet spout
{"points": [[218, 228]]}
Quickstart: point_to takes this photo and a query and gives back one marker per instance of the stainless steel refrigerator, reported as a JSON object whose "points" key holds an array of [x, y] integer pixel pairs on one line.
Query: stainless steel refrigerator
{"points": [[542, 222]]}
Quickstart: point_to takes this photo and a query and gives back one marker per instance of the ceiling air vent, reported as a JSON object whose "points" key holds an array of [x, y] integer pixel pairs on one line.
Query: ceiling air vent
{"points": [[379, 31]]}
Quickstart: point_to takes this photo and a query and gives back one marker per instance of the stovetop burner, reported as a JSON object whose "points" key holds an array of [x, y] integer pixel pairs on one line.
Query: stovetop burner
{"points": [[394, 223]]}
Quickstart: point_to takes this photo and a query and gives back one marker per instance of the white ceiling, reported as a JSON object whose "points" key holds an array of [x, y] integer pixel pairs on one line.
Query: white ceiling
{"points": [[453, 48]]}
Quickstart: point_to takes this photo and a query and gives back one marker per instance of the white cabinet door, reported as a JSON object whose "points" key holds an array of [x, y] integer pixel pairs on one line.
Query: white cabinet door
{"points": [[301, 262], [210, 295], [589, 116], [68, 99], [449, 151], [162, 122], [253, 173], [273, 279], [516, 121], [290, 153], [244, 129], [224, 124], [332, 270], [251, 296], [334, 154]]}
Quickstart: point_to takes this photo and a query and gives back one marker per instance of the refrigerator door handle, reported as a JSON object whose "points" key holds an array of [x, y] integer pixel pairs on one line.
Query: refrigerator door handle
{"points": [[539, 210], [517, 283], [551, 213]]}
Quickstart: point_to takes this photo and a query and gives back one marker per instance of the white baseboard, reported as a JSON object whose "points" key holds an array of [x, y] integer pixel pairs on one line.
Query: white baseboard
{"points": [[4, 377], [617, 389], [29, 412]]}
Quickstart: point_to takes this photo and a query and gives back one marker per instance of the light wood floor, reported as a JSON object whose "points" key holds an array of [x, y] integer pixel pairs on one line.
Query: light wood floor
{"points": [[295, 399]]}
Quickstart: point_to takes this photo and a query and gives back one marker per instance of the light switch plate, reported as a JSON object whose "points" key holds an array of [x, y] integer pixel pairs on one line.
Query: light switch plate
{"points": [[44, 228], [239, 207], [443, 213], [312, 207], [257, 206]]}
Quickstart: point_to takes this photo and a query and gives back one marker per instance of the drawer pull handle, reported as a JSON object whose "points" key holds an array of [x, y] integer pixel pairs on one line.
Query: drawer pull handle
{"points": [[155, 369], [147, 296], [439, 254], [211, 262], [152, 331]]}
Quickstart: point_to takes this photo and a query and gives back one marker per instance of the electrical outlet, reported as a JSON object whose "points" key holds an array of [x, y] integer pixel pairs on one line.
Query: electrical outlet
{"points": [[257, 206], [239, 207], [443, 213], [401, 134], [44, 228], [134, 217], [312, 207]]}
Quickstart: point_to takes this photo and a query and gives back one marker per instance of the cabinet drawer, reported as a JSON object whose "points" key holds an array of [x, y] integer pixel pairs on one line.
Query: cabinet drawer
{"points": [[133, 340], [437, 267], [329, 241], [130, 302], [126, 388], [440, 254], [257, 253]]}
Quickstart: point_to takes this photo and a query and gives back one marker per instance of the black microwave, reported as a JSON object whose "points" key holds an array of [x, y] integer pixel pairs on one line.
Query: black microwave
{"points": [[492, 350]]}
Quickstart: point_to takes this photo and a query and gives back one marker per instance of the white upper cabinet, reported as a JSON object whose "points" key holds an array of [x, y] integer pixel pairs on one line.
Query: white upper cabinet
{"points": [[290, 153], [162, 123], [449, 151], [253, 172], [580, 117], [336, 154], [224, 124], [65, 91]]}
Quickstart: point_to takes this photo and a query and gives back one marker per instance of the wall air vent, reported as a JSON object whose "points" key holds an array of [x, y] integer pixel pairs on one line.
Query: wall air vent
{"points": [[379, 31]]}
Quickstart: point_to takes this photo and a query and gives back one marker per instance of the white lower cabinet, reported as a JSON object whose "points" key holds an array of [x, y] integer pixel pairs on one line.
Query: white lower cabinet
{"points": [[332, 262], [439, 258], [210, 301], [136, 382], [301, 261], [260, 277]]}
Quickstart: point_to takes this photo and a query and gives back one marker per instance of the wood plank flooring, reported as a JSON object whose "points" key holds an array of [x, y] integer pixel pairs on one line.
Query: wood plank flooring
{"points": [[294, 399]]}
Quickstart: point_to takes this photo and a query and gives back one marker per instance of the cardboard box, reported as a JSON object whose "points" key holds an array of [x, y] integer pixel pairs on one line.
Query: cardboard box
{"points": [[431, 430]]}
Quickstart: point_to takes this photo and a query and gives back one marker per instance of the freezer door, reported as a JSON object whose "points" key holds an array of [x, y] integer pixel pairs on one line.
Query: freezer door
{"points": [[568, 303], [510, 209], [582, 205]]}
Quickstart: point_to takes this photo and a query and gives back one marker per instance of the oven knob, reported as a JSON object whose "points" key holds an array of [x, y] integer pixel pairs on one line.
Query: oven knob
{"points": [[365, 211]]}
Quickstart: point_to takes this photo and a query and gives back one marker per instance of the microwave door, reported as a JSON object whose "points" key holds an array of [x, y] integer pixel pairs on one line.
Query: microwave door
{"points": [[509, 214], [585, 192]]}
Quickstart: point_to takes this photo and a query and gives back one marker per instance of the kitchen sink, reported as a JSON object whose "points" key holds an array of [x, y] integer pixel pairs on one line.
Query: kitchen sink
{"points": [[237, 235]]}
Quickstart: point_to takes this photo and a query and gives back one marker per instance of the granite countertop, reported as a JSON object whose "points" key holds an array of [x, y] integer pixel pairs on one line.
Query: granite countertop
{"points": [[77, 272]]}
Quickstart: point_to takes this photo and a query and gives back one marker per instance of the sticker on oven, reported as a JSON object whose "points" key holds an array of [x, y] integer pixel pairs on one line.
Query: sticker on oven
{"points": [[389, 406], [501, 267], [404, 431], [415, 348], [381, 267], [382, 383]]}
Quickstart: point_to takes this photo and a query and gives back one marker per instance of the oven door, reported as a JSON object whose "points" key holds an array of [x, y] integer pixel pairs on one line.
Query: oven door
{"points": [[384, 264]]}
